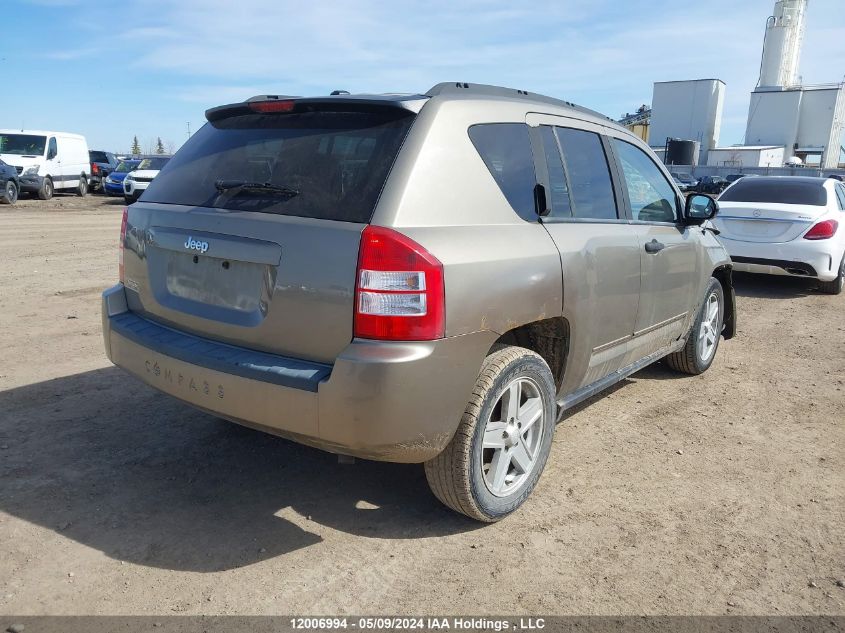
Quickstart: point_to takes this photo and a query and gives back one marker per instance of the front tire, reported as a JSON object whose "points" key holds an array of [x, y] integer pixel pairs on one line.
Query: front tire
{"points": [[703, 340], [502, 444], [836, 286], [10, 193], [46, 191]]}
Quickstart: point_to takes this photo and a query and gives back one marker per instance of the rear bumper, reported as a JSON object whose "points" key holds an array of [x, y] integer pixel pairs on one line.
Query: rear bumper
{"points": [[397, 402], [798, 258]]}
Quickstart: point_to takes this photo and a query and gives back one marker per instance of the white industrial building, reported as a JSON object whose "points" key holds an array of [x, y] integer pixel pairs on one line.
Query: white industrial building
{"points": [[688, 110], [742, 156], [807, 121]]}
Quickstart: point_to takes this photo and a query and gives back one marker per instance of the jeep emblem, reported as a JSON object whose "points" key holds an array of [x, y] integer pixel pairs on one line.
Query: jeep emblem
{"points": [[194, 245]]}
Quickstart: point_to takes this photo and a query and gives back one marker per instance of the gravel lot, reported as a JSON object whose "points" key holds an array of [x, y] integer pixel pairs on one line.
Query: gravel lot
{"points": [[723, 493]]}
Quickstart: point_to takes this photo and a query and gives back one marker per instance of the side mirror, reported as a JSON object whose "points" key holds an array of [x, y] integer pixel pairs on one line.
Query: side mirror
{"points": [[541, 203], [699, 208]]}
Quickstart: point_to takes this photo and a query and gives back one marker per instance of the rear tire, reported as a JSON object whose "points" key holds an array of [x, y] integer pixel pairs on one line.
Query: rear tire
{"points": [[10, 193], [46, 191], [836, 286], [503, 441], [82, 189], [703, 340]]}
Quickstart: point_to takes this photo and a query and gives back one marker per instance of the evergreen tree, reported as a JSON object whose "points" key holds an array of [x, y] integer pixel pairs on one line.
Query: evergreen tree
{"points": [[159, 146], [136, 147]]}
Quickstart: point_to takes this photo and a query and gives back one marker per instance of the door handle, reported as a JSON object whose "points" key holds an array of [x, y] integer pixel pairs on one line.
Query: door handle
{"points": [[654, 246]]}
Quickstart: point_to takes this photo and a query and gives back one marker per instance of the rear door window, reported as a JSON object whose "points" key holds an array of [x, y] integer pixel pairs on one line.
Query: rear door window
{"points": [[559, 194], [651, 196], [777, 191], [318, 164], [505, 149], [590, 186]]}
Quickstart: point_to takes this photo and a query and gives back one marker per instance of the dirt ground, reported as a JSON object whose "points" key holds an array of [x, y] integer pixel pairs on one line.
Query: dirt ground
{"points": [[723, 493]]}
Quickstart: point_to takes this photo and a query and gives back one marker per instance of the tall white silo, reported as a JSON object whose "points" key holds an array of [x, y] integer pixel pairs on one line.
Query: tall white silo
{"points": [[782, 44]]}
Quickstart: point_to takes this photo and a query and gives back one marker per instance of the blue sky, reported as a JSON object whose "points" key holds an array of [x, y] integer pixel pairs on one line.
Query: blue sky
{"points": [[150, 67]]}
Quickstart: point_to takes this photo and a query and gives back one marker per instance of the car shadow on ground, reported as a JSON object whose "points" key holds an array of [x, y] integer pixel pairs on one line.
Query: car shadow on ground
{"points": [[104, 460], [772, 286], [115, 201]]}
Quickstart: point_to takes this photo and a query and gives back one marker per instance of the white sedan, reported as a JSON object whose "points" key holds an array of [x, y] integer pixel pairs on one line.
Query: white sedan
{"points": [[786, 225], [138, 180]]}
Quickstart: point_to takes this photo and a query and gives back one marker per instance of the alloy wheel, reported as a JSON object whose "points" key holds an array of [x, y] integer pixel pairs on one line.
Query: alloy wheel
{"points": [[708, 333], [512, 437]]}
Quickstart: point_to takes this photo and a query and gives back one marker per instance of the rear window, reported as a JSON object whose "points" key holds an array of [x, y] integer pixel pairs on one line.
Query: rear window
{"points": [[326, 165], [98, 157], [776, 191]]}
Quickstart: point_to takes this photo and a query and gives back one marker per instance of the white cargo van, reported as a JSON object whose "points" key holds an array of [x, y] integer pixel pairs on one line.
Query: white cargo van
{"points": [[47, 161]]}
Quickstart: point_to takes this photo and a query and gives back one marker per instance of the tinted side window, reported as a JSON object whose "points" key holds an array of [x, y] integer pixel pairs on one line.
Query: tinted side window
{"points": [[559, 194], [52, 149], [506, 150], [652, 197], [840, 195], [590, 186]]}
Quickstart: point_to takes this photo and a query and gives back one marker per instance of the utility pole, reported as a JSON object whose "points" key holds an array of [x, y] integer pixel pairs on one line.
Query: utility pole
{"points": [[188, 123]]}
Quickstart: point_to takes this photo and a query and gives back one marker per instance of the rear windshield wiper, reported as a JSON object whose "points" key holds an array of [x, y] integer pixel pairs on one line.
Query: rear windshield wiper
{"points": [[237, 186]]}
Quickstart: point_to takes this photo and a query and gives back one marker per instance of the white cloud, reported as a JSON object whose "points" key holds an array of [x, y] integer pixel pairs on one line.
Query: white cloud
{"points": [[602, 53]]}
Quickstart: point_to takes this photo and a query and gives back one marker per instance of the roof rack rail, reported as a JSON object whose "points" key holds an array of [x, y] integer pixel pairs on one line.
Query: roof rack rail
{"points": [[458, 87]]}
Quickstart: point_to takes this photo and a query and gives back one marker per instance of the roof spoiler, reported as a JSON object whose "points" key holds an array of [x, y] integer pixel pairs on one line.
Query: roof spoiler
{"points": [[338, 103]]}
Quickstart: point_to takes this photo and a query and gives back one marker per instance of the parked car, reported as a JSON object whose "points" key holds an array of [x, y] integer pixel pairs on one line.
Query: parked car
{"points": [[786, 225], [713, 185], [102, 164], [402, 278], [9, 184], [113, 185], [684, 180], [47, 162], [135, 182]]}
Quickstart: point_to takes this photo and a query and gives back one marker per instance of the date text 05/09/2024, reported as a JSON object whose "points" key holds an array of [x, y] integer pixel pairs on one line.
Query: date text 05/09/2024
{"points": [[418, 623]]}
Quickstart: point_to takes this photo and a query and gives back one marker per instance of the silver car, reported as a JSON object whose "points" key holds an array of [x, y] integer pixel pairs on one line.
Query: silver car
{"points": [[432, 278]]}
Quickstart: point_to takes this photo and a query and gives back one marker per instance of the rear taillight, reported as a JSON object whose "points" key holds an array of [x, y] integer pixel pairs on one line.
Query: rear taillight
{"points": [[399, 291], [94, 168], [120, 246], [822, 231]]}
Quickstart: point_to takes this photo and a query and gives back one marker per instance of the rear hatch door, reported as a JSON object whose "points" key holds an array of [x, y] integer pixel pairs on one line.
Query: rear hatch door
{"points": [[765, 222], [250, 234], [770, 209]]}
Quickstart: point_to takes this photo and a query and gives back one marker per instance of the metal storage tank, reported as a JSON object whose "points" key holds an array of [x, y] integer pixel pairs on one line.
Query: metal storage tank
{"points": [[681, 152]]}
